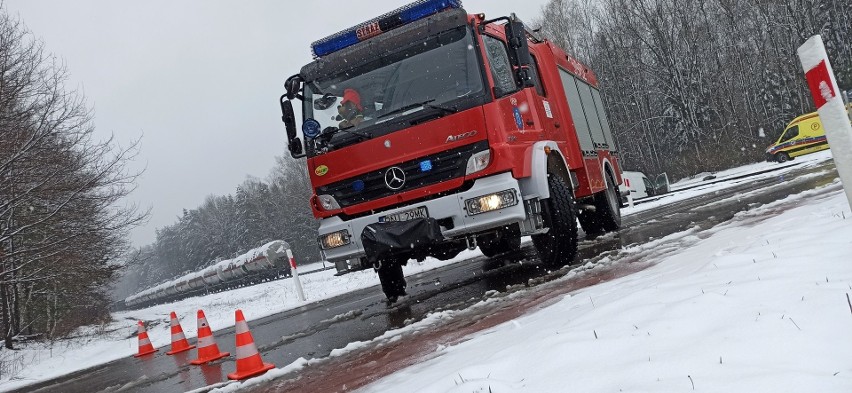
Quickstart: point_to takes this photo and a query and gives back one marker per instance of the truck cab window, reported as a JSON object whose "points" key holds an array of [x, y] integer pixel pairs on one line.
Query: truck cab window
{"points": [[539, 87], [791, 133], [437, 75], [501, 69]]}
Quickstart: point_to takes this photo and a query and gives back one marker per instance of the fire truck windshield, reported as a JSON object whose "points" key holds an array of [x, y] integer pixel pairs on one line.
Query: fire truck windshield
{"points": [[424, 80]]}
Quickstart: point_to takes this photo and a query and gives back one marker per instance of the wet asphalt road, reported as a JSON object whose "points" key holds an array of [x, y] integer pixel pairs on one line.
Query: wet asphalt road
{"points": [[314, 330]]}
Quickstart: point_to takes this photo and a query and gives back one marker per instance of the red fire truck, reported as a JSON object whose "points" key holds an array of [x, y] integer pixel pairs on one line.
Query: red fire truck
{"points": [[429, 130]]}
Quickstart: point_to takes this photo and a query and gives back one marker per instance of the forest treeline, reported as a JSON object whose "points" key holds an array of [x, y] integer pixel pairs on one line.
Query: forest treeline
{"points": [[225, 226], [63, 224], [699, 85]]}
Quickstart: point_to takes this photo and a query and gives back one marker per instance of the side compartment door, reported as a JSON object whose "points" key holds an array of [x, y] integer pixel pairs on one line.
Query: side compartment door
{"points": [[583, 128]]}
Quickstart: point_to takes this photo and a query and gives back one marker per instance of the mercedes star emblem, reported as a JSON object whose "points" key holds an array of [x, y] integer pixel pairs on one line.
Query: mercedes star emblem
{"points": [[395, 178]]}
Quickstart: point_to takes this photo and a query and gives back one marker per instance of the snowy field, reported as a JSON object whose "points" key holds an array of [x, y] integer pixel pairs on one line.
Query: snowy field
{"points": [[758, 304], [735, 316]]}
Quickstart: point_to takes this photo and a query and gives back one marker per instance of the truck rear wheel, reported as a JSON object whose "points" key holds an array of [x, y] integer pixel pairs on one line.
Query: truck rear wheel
{"points": [[558, 246], [504, 240], [392, 279], [607, 214], [782, 157]]}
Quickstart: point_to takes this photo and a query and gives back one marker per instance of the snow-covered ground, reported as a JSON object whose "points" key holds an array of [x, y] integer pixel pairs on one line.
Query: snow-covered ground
{"points": [[99, 344], [758, 304]]}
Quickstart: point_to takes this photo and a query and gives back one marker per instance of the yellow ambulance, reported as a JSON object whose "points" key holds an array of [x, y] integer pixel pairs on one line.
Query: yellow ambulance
{"points": [[802, 136]]}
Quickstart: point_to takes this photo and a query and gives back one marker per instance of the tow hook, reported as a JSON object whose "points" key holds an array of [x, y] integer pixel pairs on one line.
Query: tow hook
{"points": [[471, 242]]}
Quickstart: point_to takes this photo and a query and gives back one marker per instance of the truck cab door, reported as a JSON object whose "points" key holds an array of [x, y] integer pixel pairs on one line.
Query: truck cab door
{"points": [[525, 115]]}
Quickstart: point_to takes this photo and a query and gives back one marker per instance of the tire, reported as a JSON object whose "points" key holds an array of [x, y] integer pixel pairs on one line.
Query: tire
{"points": [[782, 157], [607, 214], [392, 279], [558, 246], [505, 240]]}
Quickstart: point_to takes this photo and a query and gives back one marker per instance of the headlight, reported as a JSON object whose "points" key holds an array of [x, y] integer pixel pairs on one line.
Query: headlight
{"points": [[334, 239], [491, 202], [328, 202], [478, 162]]}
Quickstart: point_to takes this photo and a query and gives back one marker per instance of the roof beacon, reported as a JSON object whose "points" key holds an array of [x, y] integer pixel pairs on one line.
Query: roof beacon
{"points": [[391, 20]]}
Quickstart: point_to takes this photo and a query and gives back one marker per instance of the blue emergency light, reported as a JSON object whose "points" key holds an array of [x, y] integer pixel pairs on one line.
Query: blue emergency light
{"points": [[358, 185], [391, 20]]}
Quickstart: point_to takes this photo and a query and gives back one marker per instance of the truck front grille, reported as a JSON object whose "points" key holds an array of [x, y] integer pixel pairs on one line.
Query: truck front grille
{"points": [[420, 172]]}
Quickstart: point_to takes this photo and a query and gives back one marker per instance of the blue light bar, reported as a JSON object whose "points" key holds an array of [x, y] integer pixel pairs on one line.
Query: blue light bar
{"points": [[396, 18]]}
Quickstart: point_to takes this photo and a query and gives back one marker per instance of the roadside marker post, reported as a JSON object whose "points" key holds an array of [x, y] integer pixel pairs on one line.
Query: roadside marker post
{"points": [[295, 272], [830, 107]]}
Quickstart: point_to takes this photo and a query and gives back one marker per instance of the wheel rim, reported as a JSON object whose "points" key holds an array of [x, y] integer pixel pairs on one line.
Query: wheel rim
{"points": [[611, 197]]}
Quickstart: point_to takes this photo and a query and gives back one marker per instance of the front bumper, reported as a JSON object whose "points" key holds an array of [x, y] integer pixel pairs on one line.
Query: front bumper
{"points": [[448, 207]]}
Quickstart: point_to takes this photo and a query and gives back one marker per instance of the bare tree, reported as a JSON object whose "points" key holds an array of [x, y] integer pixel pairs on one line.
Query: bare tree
{"points": [[61, 217], [690, 84]]}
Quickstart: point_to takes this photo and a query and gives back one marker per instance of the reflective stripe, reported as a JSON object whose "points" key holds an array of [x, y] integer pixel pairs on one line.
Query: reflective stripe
{"points": [[242, 327], [178, 336], [246, 351], [243, 339], [205, 341], [144, 341], [174, 322], [141, 329], [202, 322]]}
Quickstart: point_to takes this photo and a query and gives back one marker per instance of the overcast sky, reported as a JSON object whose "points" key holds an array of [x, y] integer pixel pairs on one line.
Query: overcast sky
{"points": [[197, 80]]}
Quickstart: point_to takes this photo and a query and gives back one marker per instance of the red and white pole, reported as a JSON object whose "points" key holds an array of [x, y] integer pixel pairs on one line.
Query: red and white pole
{"points": [[832, 112], [295, 273]]}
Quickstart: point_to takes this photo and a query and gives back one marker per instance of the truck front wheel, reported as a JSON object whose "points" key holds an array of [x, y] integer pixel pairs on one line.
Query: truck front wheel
{"points": [[392, 279], [558, 246]]}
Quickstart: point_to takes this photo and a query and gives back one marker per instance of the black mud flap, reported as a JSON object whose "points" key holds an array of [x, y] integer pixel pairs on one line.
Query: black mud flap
{"points": [[389, 239]]}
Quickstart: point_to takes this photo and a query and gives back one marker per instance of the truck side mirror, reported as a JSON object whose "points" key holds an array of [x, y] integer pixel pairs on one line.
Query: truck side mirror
{"points": [[295, 147], [293, 85], [289, 119], [519, 50]]}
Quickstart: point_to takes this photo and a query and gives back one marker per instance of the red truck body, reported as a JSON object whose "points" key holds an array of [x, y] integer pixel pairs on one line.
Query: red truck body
{"points": [[548, 133]]}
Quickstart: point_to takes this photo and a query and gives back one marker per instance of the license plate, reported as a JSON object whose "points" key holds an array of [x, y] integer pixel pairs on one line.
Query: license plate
{"points": [[419, 212]]}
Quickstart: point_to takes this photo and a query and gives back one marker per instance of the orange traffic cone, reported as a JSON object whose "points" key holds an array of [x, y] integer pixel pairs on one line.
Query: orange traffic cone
{"points": [[249, 362], [208, 351], [145, 346], [179, 343]]}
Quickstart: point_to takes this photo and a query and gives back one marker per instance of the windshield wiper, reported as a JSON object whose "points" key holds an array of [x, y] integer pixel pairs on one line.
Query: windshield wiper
{"points": [[443, 108], [424, 104], [325, 136]]}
